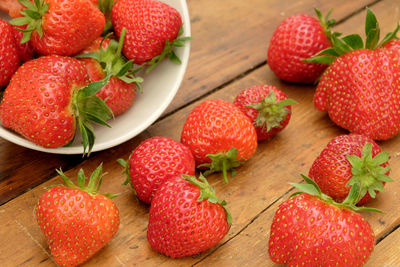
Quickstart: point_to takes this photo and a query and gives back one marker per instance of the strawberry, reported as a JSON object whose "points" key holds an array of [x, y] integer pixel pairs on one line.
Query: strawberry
{"points": [[152, 30], [393, 45], [12, 7], [309, 229], [153, 162], [48, 98], [220, 136], [296, 38], [76, 220], [349, 159], [359, 90], [9, 60], [61, 27], [267, 107], [103, 58], [186, 217], [25, 50]]}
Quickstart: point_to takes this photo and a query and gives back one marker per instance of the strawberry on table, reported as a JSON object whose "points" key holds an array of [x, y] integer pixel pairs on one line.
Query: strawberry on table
{"points": [[153, 162], [76, 220], [186, 217], [267, 107], [310, 229], [360, 89], [220, 136], [48, 98], [152, 30], [60, 27], [296, 38], [9, 60], [102, 59], [349, 159]]}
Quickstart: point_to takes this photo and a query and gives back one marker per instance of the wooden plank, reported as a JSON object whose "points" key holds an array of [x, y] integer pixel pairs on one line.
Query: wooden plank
{"points": [[387, 252], [230, 37], [210, 52]]}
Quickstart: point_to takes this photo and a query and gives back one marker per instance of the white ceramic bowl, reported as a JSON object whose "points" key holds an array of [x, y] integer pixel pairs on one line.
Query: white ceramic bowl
{"points": [[159, 88]]}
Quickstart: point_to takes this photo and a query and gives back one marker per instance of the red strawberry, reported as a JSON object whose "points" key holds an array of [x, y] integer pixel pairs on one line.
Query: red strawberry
{"points": [[296, 38], [186, 217], [61, 27], [12, 7], [393, 45], [77, 221], [153, 162], [311, 230], [359, 90], [119, 93], [220, 136], [9, 60], [349, 159], [152, 30], [48, 98], [267, 107], [25, 50]]}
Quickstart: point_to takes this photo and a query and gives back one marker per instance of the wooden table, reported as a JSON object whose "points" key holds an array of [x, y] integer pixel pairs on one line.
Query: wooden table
{"points": [[228, 54]]}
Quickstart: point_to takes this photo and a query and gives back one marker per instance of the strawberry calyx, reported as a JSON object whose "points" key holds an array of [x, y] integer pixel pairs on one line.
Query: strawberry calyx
{"points": [[89, 108], [354, 41], [207, 192], [224, 161], [326, 24], [368, 172], [311, 188], [128, 180], [93, 185], [168, 51], [270, 112], [105, 7], [113, 63], [32, 17]]}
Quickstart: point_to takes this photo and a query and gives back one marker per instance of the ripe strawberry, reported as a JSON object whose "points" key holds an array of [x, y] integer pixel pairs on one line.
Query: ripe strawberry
{"points": [[359, 90], [309, 229], [186, 217], [153, 162], [25, 50], [267, 107], [9, 60], [152, 30], [220, 136], [48, 98], [296, 38], [349, 159], [106, 60], [61, 27], [12, 7], [393, 45], [77, 221]]}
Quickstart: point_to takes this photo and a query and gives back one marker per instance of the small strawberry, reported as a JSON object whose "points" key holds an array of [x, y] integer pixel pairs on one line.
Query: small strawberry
{"points": [[359, 90], [152, 30], [153, 162], [103, 59], [60, 27], [349, 159], [76, 220], [9, 60], [310, 229], [220, 136], [186, 217], [296, 38], [267, 107], [48, 98]]}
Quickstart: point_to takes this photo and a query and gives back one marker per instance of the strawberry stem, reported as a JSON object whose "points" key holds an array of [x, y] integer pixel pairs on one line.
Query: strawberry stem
{"points": [[93, 185], [270, 112], [224, 162], [207, 192]]}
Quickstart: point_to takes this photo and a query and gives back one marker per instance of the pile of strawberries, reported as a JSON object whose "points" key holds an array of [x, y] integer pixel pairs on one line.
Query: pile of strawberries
{"points": [[319, 226], [78, 69]]}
